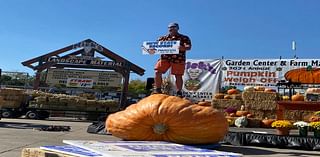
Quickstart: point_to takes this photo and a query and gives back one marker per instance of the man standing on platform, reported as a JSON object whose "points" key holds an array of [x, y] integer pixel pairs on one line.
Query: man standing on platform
{"points": [[174, 61]]}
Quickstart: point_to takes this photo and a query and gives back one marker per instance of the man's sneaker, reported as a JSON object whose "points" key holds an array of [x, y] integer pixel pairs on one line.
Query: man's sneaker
{"points": [[157, 91], [179, 94]]}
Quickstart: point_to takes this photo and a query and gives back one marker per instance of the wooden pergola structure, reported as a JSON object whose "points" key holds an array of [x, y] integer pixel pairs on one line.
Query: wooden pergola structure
{"points": [[82, 55]]}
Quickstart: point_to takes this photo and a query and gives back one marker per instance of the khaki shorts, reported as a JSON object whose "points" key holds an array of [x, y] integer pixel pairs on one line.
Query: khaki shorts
{"points": [[176, 68]]}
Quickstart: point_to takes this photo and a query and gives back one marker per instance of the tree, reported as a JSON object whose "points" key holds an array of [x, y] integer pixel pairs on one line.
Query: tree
{"points": [[137, 87]]}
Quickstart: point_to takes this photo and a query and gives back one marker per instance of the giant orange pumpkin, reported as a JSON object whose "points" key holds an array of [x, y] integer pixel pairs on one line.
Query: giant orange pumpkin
{"points": [[160, 117], [304, 75]]}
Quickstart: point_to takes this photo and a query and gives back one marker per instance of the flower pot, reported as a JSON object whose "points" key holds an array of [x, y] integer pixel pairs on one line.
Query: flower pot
{"points": [[316, 133], [303, 131], [282, 131]]}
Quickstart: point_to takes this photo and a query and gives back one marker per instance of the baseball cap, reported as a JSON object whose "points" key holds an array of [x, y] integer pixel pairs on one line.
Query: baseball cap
{"points": [[173, 24]]}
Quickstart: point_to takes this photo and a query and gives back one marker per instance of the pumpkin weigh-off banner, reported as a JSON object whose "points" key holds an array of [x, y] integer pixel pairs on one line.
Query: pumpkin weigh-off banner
{"points": [[204, 77], [268, 72]]}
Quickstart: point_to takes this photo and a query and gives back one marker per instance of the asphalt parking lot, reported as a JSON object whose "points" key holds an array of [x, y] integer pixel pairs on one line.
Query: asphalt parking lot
{"points": [[16, 134]]}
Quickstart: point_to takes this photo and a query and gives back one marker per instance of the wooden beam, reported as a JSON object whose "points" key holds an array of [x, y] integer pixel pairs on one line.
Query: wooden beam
{"points": [[49, 64], [53, 53]]}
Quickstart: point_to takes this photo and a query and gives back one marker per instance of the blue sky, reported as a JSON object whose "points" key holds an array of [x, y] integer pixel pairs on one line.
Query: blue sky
{"points": [[243, 29]]}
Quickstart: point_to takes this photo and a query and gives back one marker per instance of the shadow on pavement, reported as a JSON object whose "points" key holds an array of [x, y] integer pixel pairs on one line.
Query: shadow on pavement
{"points": [[16, 125], [244, 150]]}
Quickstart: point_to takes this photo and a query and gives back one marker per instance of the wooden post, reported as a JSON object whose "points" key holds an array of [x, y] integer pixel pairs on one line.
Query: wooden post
{"points": [[36, 82], [124, 93]]}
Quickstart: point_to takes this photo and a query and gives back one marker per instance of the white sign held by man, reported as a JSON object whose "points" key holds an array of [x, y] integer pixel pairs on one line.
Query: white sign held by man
{"points": [[160, 47]]}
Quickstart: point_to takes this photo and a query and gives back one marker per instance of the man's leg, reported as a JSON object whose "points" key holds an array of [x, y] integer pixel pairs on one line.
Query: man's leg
{"points": [[179, 82], [160, 68], [158, 81], [178, 71]]}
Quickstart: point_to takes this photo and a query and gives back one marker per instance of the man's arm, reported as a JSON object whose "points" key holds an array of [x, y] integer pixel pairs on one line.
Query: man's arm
{"points": [[186, 44]]}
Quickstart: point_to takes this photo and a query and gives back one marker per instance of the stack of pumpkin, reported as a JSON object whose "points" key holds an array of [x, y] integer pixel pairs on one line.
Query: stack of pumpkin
{"points": [[230, 99], [260, 101], [161, 117]]}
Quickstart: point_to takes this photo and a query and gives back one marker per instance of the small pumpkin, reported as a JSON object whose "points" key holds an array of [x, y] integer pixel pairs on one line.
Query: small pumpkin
{"points": [[233, 91], [219, 96], [227, 97], [250, 115], [242, 112], [266, 123], [297, 97], [270, 90], [314, 118], [259, 88], [307, 75], [161, 117]]}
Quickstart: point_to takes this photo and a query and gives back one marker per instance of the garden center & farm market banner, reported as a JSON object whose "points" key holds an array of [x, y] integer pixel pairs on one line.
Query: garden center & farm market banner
{"points": [[204, 77]]}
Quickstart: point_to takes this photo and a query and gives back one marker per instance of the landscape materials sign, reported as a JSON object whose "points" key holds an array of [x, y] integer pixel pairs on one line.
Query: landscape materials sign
{"points": [[201, 79], [81, 83], [160, 47], [100, 78], [261, 72]]}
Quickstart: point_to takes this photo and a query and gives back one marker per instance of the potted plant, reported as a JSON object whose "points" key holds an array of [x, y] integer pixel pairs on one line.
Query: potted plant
{"points": [[282, 127], [303, 128], [316, 128]]}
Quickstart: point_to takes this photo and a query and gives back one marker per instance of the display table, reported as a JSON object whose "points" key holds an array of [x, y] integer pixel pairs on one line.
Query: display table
{"points": [[295, 105]]}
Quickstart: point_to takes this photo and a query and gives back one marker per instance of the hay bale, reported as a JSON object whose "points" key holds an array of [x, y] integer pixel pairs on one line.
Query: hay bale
{"points": [[91, 102], [271, 114], [225, 103], [293, 115], [259, 96], [257, 114], [10, 104], [261, 105], [80, 102]]}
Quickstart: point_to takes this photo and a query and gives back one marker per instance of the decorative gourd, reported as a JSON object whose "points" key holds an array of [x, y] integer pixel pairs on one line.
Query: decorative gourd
{"points": [[219, 96], [259, 88], [313, 91], [249, 115], [160, 117], [297, 97], [307, 75], [266, 123], [242, 112], [241, 121], [233, 91], [227, 97], [248, 88]]}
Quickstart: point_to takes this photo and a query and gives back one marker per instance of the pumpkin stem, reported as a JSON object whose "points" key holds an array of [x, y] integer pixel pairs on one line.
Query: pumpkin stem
{"points": [[160, 128]]}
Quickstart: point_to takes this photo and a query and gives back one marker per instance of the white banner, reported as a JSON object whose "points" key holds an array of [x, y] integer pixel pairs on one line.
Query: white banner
{"points": [[160, 47], [201, 79], [82, 83], [265, 72], [100, 78]]}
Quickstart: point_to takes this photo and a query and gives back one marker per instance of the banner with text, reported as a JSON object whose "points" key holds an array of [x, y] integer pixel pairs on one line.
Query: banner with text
{"points": [[160, 47], [201, 78], [263, 72], [100, 78]]}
